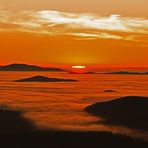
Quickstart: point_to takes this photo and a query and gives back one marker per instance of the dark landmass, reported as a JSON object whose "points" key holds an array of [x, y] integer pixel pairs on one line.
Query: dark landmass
{"points": [[130, 111], [25, 67], [128, 73], [12, 122], [109, 90], [91, 72], [35, 138], [65, 139], [45, 79]]}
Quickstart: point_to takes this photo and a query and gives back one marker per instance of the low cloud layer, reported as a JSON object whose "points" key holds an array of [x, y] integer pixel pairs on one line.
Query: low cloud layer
{"points": [[78, 25]]}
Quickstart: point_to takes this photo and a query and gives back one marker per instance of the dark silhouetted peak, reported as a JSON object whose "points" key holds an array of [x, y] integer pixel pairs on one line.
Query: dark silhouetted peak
{"points": [[13, 122], [129, 111], [127, 73], [109, 90], [25, 67], [45, 79]]}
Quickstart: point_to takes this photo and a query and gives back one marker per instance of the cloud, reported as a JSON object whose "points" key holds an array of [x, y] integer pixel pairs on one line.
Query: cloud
{"points": [[83, 25]]}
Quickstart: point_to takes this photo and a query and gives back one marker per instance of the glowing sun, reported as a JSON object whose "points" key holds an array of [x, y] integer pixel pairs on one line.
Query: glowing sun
{"points": [[78, 69]]}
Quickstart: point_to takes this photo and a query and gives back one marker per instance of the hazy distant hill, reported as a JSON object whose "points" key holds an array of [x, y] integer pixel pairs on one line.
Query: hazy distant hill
{"points": [[128, 73], [45, 79], [25, 67]]}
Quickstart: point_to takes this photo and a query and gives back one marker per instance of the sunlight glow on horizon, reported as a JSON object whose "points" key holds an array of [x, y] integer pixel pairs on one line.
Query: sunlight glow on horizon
{"points": [[61, 37], [79, 66]]}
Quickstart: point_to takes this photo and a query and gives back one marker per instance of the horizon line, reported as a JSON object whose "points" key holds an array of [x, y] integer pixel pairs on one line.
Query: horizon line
{"points": [[70, 65]]}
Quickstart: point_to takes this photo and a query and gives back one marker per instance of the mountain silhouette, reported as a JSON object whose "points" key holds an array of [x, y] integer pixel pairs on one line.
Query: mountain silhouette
{"points": [[127, 73], [26, 67], [45, 79], [13, 122], [130, 111], [19, 132]]}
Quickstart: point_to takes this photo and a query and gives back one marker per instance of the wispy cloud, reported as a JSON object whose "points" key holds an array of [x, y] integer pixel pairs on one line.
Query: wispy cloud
{"points": [[81, 25]]}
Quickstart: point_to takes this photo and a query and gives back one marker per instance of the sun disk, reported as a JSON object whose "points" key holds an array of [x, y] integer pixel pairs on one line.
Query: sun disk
{"points": [[79, 67]]}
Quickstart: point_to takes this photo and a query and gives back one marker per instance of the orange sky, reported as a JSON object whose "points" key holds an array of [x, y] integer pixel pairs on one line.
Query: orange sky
{"points": [[123, 7], [76, 33]]}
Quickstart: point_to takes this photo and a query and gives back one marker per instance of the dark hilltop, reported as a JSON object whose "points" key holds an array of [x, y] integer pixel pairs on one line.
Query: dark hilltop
{"points": [[19, 132], [130, 111], [127, 73], [26, 67], [45, 79]]}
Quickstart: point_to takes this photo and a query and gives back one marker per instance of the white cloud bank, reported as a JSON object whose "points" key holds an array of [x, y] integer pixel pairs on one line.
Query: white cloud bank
{"points": [[81, 25]]}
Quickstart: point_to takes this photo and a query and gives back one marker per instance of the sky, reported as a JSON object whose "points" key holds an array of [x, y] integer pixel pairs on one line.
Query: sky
{"points": [[74, 32]]}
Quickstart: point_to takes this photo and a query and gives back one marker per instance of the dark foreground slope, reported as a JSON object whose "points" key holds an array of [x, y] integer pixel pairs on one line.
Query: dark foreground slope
{"points": [[131, 111], [26, 67], [18, 132], [45, 79], [12, 122], [69, 140]]}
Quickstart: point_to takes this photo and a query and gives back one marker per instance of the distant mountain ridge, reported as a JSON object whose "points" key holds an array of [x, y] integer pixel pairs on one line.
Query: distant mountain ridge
{"points": [[127, 73], [45, 79], [26, 67]]}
